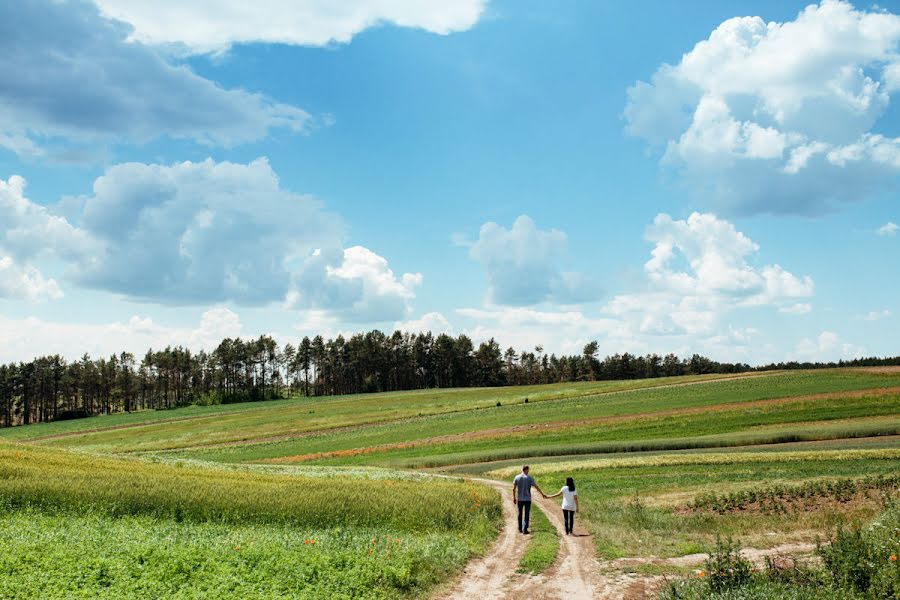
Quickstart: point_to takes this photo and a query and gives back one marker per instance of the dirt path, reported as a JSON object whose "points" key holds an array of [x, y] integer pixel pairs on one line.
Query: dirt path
{"points": [[576, 574], [488, 577]]}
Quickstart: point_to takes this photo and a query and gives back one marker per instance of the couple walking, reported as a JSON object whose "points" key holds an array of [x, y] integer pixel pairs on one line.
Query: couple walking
{"points": [[522, 485]]}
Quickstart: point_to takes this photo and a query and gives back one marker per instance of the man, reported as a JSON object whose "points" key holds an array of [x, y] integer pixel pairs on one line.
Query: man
{"points": [[522, 485]]}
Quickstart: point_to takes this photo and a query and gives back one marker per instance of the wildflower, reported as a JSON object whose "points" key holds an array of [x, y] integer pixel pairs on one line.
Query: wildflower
{"points": [[312, 541], [701, 574], [306, 542], [374, 540], [238, 547], [398, 540], [370, 551], [893, 557]]}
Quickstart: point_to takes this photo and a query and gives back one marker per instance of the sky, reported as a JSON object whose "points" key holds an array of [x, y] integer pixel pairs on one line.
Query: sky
{"points": [[716, 177]]}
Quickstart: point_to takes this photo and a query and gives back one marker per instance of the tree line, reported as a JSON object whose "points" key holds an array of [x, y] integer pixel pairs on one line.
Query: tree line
{"points": [[50, 388]]}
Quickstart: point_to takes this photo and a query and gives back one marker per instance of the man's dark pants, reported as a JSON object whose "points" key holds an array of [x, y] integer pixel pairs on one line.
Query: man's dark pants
{"points": [[524, 506]]}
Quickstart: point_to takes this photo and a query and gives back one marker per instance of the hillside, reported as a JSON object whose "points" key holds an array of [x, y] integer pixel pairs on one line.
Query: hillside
{"points": [[662, 465]]}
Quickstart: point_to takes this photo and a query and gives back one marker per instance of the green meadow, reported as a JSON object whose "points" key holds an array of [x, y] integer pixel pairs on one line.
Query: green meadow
{"points": [[349, 496]]}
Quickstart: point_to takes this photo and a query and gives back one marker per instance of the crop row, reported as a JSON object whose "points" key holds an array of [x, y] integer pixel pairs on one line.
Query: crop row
{"points": [[776, 497]]}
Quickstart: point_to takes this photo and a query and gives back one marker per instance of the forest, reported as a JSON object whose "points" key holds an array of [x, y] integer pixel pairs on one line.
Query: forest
{"points": [[51, 388]]}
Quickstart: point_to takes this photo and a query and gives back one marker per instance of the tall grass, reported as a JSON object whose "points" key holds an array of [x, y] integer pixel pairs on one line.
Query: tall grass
{"points": [[37, 477]]}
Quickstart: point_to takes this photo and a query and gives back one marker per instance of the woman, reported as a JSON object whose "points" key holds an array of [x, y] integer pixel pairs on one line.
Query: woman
{"points": [[569, 504]]}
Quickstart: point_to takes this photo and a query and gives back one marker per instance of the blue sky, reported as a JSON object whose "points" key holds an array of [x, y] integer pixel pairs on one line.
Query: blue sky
{"points": [[653, 176]]}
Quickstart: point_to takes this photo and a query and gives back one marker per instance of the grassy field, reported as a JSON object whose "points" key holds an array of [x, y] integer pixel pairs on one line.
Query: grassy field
{"points": [[226, 500], [188, 531], [639, 507]]}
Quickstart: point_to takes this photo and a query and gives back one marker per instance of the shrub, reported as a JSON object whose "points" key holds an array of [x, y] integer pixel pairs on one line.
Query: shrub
{"points": [[726, 568], [866, 559]]}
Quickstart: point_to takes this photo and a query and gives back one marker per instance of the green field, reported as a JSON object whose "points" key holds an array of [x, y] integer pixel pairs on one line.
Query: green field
{"points": [[223, 501]]}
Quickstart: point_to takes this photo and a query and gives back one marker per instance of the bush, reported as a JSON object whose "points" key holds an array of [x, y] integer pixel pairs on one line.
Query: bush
{"points": [[69, 415], [866, 560], [726, 568]]}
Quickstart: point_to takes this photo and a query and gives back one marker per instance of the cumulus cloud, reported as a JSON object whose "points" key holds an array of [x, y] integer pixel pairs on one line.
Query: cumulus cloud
{"points": [[354, 284], [25, 283], [434, 322], [200, 233], [29, 230], [71, 74], [561, 331], [888, 229], [827, 346], [875, 315], [21, 338], [700, 270], [524, 265], [801, 308], [25, 229], [778, 117], [213, 26]]}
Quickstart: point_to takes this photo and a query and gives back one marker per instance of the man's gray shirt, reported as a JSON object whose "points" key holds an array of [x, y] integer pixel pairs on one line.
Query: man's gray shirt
{"points": [[523, 484]]}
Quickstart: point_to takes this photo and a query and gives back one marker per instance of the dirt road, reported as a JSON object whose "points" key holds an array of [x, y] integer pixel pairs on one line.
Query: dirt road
{"points": [[577, 573]]}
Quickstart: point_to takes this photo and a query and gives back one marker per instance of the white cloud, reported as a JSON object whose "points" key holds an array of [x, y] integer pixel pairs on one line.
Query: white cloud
{"points": [[801, 308], [699, 270], [524, 265], [22, 338], [25, 283], [875, 315], [778, 117], [199, 233], [70, 76], [214, 25], [355, 284], [889, 228], [29, 230], [828, 346], [558, 331], [434, 322]]}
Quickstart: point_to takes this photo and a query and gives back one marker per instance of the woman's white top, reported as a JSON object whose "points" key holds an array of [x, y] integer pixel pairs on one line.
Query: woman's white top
{"points": [[568, 498]]}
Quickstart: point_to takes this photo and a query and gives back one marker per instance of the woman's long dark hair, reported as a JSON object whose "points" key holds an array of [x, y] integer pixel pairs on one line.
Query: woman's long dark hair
{"points": [[570, 483]]}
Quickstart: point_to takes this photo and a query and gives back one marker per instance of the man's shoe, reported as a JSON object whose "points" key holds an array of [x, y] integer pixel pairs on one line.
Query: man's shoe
{"points": [[526, 532]]}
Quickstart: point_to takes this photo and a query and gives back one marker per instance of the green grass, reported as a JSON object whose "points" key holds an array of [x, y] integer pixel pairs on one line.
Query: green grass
{"points": [[196, 425], [47, 556], [758, 590], [559, 426], [81, 525], [302, 426], [543, 544], [179, 490], [643, 510], [39, 477], [857, 562], [786, 423]]}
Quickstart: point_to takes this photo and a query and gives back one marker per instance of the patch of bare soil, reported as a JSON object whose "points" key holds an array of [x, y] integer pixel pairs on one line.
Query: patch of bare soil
{"points": [[755, 555], [887, 370]]}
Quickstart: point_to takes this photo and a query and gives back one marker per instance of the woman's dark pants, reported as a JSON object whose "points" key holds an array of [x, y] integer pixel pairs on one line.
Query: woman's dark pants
{"points": [[569, 518]]}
